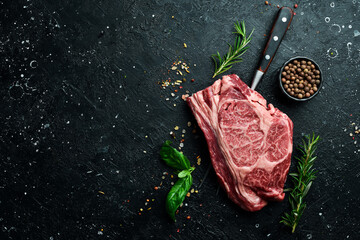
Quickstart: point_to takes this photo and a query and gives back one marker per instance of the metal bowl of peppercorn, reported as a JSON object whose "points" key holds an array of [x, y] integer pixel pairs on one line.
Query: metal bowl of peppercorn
{"points": [[300, 78]]}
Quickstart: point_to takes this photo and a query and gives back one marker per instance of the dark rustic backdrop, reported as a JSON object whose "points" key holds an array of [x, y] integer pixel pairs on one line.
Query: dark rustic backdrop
{"points": [[83, 116]]}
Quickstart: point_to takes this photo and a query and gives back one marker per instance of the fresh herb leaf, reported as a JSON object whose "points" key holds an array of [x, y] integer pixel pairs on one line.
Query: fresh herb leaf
{"points": [[177, 195], [173, 157], [186, 172], [235, 52], [178, 161], [302, 181]]}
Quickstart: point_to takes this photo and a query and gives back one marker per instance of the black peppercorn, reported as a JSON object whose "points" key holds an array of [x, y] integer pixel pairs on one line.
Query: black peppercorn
{"points": [[300, 78]]}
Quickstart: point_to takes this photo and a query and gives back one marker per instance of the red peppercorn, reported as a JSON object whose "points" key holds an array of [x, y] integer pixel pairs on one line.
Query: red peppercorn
{"points": [[295, 6], [188, 217]]}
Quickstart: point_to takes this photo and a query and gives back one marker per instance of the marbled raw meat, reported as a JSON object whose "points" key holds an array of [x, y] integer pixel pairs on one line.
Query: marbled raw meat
{"points": [[250, 142]]}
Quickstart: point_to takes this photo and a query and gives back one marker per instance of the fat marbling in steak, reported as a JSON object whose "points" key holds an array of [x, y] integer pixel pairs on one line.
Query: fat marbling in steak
{"points": [[250, 142]]}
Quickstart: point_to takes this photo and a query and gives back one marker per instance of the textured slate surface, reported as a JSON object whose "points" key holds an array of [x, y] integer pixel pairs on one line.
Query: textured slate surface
{"points": [[79, 94]]}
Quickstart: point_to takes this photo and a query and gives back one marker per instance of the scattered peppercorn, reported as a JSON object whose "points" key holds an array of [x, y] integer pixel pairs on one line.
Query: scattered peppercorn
{"points": [[188, 217], [301, 78], [295, 6], [266, 2]]}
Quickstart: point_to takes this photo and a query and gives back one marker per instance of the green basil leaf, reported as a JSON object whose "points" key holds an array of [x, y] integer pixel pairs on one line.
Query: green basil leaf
{"points": [[183, 173], [177, 195], [186, 172], [173, 157]]}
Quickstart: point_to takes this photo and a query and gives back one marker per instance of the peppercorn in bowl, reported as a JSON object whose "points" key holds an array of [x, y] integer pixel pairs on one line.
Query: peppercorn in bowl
{"points": [[300, 78]]}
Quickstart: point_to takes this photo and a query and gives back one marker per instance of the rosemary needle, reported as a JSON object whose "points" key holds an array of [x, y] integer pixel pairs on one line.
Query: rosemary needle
{"points": [[235, 52], [302, 181]]}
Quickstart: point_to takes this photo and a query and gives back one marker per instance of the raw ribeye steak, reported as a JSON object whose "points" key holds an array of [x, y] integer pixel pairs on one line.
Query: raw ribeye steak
{"points": [[250, 142]]}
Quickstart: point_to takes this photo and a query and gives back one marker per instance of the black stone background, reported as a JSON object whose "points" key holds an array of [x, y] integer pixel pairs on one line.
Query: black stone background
{"points": [[75, 123]]}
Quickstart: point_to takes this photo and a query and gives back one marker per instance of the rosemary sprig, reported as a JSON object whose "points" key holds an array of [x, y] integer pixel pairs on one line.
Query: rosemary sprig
{"points": [[235, 52], [302, 181]]}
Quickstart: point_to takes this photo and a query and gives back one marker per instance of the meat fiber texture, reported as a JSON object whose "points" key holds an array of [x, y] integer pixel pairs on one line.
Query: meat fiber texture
{"points": [[250, 142]]}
